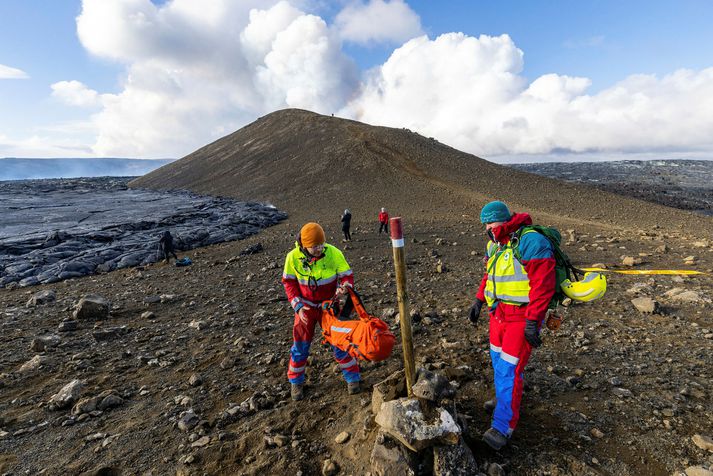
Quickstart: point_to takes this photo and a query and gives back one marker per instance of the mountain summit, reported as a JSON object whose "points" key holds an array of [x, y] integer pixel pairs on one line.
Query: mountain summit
{"points": [[314, 166]]}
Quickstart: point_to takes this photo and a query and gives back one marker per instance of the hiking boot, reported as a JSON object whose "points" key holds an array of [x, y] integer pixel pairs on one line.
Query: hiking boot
{"points": [[489, 406], [297, 391], [495, 439], [353, 388]]}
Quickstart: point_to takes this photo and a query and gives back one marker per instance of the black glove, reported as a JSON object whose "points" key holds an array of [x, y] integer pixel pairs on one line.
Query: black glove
{"points": [[474, 312], [532, 333]]}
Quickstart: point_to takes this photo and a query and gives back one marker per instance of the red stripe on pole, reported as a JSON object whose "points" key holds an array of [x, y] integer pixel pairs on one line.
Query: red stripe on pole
{"points": [[397, 230]]}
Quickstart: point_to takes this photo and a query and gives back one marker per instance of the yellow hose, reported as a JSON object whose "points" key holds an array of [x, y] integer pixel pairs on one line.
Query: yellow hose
{"points": [[686, 272]]}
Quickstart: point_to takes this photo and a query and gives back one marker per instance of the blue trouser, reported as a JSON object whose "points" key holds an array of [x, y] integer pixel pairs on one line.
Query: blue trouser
{"points": [[302, 335]]}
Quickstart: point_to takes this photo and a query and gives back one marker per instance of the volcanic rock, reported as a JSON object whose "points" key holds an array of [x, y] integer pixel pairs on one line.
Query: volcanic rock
{"points": [[92, 307], [43, 297], [388, 457], [404, 420], [454, 460], [66, 396]]}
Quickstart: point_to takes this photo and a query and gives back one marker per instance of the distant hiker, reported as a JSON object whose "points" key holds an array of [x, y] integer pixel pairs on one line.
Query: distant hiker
{"points": [[517, 293], [383, 221], [346, 224], [314, 272], [165, 245]]}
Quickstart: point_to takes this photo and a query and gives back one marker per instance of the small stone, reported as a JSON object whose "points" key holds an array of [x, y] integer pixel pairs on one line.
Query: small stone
{"points": [[195, 380], [164, 298], [68, 326], [148, 315], [43, 297], [704, 442], [698, 471], [621, 392], [200, 442], [616, 381], [85, 405], [197, 324], [329, 468], [188, 420], [494, 469], [645, 305], [631, 261], [92, 307], [110, 401], [280, 440], [342, 438], [227, 363], [95, 436], [597, 433], [33, 364], [66, 396]]}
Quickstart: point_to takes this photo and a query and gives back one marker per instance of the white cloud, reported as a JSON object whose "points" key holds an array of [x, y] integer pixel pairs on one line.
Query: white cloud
{"points": [[75, 93], [196, 71], [8, 72], [378, 21], [468, 92]]}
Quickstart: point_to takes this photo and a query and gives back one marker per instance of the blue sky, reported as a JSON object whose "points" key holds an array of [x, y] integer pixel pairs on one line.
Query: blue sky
{"points": [[112, 79]]}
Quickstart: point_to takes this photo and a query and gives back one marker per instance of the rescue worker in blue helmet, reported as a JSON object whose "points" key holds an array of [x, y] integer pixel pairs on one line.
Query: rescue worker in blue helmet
{"points": [[517, 293]]}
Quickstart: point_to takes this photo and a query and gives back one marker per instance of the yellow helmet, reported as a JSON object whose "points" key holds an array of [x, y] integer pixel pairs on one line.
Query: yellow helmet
{"points": [[591, 287]]}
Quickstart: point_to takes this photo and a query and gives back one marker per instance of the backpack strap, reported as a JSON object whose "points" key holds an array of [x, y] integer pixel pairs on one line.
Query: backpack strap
{"points": [[559, 255]]}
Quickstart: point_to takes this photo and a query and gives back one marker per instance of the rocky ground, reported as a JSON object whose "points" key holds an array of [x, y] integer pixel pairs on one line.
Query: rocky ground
{"points": [[186, 374]]}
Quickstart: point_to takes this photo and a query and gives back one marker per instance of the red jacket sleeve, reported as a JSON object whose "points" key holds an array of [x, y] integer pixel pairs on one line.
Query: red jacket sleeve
{"points": [[292, 289], [541, 272], [480, 295]]}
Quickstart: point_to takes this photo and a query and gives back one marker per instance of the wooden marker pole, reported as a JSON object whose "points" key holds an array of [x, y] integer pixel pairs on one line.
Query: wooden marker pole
{"points": [[397, 241]]}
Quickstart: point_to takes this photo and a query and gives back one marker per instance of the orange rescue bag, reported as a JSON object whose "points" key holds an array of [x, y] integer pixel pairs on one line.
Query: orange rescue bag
{"points": [[367, 338]]}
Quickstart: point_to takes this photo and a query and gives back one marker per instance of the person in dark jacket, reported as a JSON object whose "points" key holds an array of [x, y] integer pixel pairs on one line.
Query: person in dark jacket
{"points": [[346, 224], [166, 245]]}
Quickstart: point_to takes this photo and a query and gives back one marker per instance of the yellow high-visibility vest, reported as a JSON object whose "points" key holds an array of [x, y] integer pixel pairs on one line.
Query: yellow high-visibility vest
{"points": [[312, 278], [507, 278]]}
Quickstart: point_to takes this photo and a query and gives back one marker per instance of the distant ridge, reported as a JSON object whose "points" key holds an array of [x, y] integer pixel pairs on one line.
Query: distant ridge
{"points": [[12, 168], [314, 166]]}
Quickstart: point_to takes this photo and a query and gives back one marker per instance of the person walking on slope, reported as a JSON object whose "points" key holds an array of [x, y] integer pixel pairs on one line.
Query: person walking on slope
{"points": [[314, 272], [346, 224], [165, 245], [383, 221], [517, 293]]}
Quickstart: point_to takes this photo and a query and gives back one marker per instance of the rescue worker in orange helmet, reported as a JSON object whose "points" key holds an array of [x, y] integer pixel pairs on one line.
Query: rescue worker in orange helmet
{"points": [[314, 272]]}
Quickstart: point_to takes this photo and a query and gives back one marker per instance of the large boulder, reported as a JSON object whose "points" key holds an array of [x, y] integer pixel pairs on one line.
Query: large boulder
{"points": [[92, 306], [404, 420]]}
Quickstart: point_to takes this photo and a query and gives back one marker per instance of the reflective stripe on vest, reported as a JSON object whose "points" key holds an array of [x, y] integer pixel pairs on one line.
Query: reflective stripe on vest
{"points": [[507, 278]]}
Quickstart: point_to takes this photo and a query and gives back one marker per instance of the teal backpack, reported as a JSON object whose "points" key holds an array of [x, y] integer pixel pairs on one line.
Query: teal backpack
{"points": [[563, 266]]}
